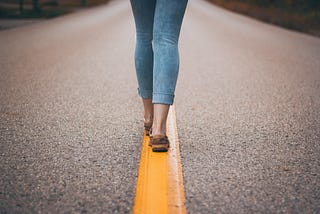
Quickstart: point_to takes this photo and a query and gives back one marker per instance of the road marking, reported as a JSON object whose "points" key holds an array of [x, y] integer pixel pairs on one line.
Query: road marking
{"points": [[160, 182]]}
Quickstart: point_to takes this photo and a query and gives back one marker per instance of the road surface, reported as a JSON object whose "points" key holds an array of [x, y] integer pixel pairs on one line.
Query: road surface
{"points": [[247, 104]]}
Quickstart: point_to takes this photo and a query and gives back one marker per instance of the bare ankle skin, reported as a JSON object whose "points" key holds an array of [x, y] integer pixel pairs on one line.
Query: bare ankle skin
{"points": [[148, 110], [160, 119]]}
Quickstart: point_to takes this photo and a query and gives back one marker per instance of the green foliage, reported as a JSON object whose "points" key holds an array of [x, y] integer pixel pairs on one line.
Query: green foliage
{"points": [[30, 13], [301, 5], [301, 15]]}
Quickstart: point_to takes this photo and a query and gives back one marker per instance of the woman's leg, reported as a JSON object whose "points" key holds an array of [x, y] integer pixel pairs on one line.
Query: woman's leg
{"points": [[143, 11], [167, 24], [160, 119], [148, 112]]}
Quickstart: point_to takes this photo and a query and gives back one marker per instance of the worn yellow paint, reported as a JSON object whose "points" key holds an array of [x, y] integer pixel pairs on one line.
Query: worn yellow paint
{"points": [[160, 183]]}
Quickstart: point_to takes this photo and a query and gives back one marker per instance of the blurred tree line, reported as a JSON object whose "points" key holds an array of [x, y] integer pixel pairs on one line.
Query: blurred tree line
{"points": [[300, 5], [36, 4], [16, 9], [301, 15]]}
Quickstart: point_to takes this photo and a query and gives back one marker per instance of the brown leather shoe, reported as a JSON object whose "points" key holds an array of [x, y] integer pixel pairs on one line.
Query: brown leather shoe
{"points": [[159, 143], [147, 128]]}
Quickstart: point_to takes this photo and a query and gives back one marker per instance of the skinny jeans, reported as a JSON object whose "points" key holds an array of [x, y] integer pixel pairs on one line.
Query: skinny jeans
{"points": [[158, 24]]}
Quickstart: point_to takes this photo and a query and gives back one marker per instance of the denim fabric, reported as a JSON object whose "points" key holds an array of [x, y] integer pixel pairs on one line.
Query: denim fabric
{"points": [[158, 24]]}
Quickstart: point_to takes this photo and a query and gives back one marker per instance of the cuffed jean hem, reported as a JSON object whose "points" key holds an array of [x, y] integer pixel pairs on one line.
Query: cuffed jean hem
{"points": [[159, 98], [145, 94]]}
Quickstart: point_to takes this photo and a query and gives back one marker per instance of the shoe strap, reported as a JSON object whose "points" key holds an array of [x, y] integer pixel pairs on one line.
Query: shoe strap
{"points": [[159, 139], [159, 136]]}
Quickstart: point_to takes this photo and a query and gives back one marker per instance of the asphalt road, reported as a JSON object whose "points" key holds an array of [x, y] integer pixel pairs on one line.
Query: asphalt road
{"points": [[247, 102]]}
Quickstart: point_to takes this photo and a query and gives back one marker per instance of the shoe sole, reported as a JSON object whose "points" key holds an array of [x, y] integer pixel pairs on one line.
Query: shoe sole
{"points": [[159, 149]]}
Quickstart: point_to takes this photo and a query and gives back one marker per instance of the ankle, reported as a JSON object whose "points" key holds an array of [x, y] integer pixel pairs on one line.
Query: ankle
{"points": [[158, 130], [148, 118]]}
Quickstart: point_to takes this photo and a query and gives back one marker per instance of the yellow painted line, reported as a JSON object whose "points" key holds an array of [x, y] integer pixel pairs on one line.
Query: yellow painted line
{"points": [[160, 182]]}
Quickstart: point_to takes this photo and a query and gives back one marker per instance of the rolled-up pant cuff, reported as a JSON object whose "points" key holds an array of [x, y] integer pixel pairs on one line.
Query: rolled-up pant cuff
{"points": [[145, 94], [160, 98]]}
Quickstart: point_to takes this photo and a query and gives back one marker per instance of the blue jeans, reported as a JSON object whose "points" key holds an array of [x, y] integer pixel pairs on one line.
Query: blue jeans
{"points": [[158, 24]]}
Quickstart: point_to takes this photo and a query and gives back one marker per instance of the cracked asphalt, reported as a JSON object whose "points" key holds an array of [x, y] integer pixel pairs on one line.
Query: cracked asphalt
{"points": [[247, 104]]}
